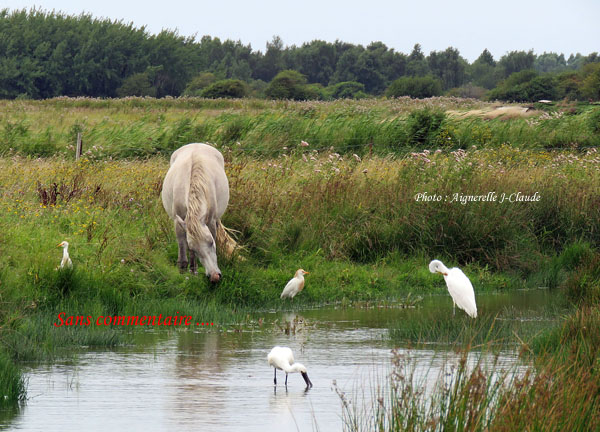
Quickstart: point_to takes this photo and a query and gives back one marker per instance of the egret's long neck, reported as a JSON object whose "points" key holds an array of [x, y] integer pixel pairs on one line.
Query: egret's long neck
{"points": [[65, 253]]}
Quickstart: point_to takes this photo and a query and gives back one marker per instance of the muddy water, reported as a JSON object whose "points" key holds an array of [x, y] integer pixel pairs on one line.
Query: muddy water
{"points": [[220, 380]]}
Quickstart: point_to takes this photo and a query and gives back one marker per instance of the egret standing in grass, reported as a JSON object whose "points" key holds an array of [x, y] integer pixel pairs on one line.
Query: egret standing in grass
{"points": [[66, 260], [295, 285], [459, 287], [282, 358]]}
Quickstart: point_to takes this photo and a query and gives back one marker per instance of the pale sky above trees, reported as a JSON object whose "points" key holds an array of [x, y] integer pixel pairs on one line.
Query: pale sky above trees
{"points": [[468, 25]]}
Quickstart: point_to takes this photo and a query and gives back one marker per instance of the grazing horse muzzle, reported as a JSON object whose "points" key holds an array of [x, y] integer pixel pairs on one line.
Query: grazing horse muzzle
{"points": [[214, 277]]}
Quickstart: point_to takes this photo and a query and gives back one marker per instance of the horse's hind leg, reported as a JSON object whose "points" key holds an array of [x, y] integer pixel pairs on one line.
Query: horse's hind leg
{"points": [[182, 261]]}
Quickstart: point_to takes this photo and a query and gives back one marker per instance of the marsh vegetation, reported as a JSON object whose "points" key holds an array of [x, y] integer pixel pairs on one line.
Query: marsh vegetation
{"points": [[329, 187]]}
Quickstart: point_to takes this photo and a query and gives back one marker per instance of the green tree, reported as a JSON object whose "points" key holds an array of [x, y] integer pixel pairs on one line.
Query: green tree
{"points": [[416, 63], [483, 71], [516, 61], [316, 60], [138, 84], [448, 66], [272, 62], [550, 62]]}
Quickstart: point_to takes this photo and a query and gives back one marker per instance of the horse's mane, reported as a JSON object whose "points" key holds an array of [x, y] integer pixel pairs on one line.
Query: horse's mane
{"points": [[198, 202]]}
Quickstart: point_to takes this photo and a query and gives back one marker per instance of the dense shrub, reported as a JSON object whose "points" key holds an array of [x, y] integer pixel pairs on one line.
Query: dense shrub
{"points": [[424, 125], [346, 90], [590, 86], [199, 83], [288, 84], [526, 86], [417, 87], [230, 88]]}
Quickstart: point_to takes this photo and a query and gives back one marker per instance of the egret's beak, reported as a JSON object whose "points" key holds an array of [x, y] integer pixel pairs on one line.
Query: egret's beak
{"points": [[307, 380], [59, 245], [306, 272]]}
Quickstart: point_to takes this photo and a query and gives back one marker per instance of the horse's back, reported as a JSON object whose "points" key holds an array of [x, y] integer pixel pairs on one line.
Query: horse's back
{"points": [[203, 150], [176, 185]]}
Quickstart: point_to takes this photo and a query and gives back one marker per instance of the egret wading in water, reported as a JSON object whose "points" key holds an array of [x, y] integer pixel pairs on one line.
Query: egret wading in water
{"points": [[459, 287], [282, 358], [295, 285], [66, 260]]}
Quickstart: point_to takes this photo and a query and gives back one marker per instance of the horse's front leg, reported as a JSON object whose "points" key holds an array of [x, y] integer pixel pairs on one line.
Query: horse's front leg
{"points": [[193, 262], [181, 235]]}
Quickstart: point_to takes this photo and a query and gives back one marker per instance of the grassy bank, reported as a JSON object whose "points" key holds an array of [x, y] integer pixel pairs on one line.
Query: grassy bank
{"points": [[556, 388]]}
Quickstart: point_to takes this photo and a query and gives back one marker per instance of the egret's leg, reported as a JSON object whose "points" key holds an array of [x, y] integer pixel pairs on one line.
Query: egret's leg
{"points": [[453, 309], [275, 376], [286, 379]]}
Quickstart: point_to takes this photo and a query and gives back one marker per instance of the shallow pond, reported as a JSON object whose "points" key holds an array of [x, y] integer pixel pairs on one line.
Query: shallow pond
{"points": [[220, 381]]}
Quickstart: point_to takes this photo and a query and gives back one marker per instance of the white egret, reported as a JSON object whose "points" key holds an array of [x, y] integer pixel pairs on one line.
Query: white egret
{"points": [[459, 287], [282, 358], [295, 285], [66, 260]]}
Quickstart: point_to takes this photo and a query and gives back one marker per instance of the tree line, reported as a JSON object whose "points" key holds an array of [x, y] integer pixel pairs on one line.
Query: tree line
{"points": [[48, 54]]}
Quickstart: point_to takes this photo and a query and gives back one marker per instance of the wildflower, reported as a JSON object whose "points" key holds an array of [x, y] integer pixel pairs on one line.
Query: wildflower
{"points": [[357, 157], [304, 158], [304, 144], [364, 171]]}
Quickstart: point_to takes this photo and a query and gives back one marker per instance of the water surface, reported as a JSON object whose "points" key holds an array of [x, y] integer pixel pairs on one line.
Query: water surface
{"points": [[198, 379]]}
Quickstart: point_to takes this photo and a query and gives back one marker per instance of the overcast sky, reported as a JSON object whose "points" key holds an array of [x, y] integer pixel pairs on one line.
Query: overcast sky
{"points": [[563, 26]]}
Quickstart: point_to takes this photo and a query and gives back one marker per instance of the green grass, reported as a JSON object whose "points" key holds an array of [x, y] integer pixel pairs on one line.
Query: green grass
{"points": [[477, 394], [12, 385], [138, 127]]}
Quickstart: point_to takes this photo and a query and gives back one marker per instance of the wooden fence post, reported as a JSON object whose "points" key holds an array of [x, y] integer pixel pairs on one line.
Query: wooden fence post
{"points": [[79, 148]]}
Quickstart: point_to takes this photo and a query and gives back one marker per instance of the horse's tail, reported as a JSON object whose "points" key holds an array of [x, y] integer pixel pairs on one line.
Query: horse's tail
{"points": [[226, 243]]}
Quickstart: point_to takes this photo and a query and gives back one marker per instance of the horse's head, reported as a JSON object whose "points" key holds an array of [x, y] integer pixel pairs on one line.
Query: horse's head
{"points": [[201, 241]]}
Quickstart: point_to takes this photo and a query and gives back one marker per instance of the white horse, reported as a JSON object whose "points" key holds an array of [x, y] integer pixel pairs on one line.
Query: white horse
{"points": [[195, 194]]}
